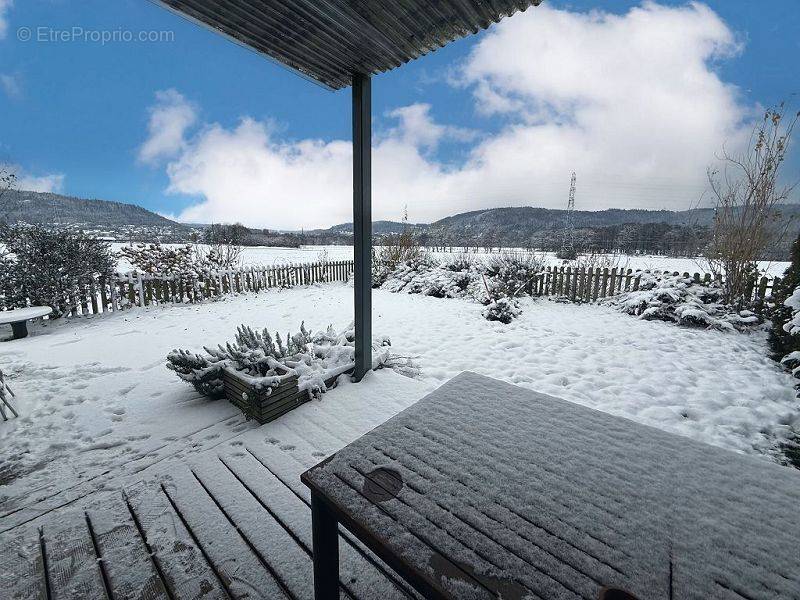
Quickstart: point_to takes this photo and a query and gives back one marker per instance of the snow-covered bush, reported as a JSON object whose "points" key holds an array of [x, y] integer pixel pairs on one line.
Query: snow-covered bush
{"points": [[460, 263], [266, 361], [504, 310], [395, 250], [512, 274], [784, 336], [430, 278], [494, 284], [43, 265], [781, 311], [157, 259], [792, 329], [683, 301]]}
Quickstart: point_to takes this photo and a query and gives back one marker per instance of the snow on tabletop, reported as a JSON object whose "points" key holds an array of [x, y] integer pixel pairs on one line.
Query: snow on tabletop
{"points": [[23, 314], [516, 486]]}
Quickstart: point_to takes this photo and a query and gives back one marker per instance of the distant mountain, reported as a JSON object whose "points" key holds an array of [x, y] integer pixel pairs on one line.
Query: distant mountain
{"points": [[47, 208], [528, 219], [635, 230], [524, 226], [378, 227]]}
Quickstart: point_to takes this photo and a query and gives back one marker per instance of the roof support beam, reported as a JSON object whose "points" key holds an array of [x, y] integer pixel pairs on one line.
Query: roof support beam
{"points": [[362, 221]]}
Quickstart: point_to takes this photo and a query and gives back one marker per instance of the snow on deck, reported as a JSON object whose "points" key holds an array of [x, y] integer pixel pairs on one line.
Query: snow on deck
{"points": [[233, 521], [485, 489]]}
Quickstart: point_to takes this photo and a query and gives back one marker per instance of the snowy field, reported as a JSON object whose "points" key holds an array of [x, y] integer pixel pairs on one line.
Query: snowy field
{"points": [[97, 403], [305, 254]]}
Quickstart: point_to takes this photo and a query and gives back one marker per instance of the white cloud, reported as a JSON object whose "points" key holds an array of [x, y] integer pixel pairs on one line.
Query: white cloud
{"points": [[631, 102], [245, 174], [25, 181], [5, 6], [417, 128], [170, 117], [53, 182], [10, 86]]}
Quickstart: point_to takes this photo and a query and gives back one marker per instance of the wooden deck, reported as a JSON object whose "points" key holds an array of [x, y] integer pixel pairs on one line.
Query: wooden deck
{"points": [[235, 525]]}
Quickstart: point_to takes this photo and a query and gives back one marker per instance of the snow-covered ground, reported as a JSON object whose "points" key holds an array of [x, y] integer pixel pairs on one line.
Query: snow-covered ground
{"points": [[268, 256], [95, 398], [261, 255]]}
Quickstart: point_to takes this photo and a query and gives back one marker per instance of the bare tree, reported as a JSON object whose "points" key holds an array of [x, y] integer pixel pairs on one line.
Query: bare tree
{"points": [[8, 180], [226, 243], [747, 191]]}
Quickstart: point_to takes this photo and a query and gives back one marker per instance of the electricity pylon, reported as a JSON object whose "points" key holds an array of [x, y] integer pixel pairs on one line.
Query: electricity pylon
{"points": [[567, 251]]}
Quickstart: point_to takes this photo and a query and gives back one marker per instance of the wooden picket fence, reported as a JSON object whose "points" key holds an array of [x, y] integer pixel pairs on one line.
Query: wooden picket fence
{"points": [[594, 283], [132, 289]]}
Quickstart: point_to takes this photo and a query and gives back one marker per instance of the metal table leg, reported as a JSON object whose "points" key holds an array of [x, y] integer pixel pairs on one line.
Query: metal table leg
{"points": [[325, 535]]}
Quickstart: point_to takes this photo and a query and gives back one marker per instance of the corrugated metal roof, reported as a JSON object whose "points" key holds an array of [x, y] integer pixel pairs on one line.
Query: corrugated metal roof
{"points": [[329, 40]]}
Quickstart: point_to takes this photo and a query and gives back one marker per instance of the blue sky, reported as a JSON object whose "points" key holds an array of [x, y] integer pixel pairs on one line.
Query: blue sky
{"points": [[74, 114]]}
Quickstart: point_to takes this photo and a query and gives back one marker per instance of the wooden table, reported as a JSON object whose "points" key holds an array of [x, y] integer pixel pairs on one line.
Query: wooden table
{"points": [[19, 317], [484, 490]]}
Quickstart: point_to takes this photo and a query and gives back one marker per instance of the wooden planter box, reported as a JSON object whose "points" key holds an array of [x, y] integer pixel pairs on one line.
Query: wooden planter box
{"points": [[262, 405]]}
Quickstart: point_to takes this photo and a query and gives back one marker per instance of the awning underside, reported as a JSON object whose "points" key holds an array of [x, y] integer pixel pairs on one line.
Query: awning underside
{"points": [[329, 40]]}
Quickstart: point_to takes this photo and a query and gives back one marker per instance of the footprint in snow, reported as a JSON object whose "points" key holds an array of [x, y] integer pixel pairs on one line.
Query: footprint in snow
{"points": [[67, 343], [152, 365], [272, 441], [287, 447], [126, 333]]}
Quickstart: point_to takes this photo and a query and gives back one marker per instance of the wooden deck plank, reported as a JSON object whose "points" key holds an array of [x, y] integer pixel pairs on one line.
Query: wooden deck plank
{"points": [[72, 564], [187, 573], [130, 570], [289, 561], [22, 572], [363, 578], [240, 569], [285, 465]]}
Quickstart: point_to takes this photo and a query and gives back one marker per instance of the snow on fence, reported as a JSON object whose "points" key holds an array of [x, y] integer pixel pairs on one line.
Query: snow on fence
{"points": [[127, 290], [591, 284]]}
